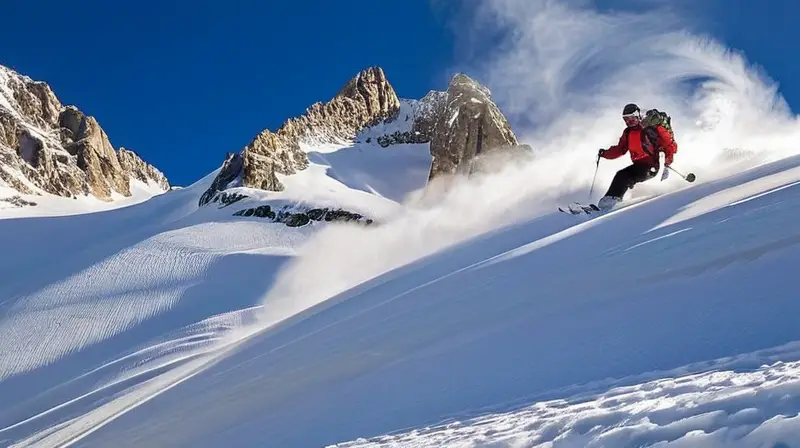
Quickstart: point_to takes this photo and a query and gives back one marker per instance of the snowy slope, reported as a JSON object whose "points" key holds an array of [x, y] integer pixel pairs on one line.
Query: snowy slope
{"points": [[90, 288], [51, 205], [101, 298], [390, 172], [646, 325], [357, 176]]}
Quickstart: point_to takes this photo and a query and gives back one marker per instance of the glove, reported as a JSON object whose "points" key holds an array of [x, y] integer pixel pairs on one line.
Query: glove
{"points": [[600, 152], [665, 174]]}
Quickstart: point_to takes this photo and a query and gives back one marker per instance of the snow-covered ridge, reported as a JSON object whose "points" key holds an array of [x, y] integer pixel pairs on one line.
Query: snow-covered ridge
{"points": [[359, 183], [367, 112], [329, 162], [408, 112], [364, 100], [412, 124], [48, 149]]}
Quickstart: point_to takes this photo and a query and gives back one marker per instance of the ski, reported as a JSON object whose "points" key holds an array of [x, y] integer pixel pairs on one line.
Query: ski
{"points": [[592, 209], [569, 210], [582, 209]]}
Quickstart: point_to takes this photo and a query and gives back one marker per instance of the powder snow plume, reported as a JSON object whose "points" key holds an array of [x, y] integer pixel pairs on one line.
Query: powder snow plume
{"points": [[565, 73], [562, 72]]}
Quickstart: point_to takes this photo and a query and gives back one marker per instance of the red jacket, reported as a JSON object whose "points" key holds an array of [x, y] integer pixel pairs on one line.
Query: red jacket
{"points": [[632, 140]]}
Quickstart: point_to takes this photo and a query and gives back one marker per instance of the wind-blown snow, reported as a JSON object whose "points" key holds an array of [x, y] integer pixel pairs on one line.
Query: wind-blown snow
{"points": [[474, 316]]}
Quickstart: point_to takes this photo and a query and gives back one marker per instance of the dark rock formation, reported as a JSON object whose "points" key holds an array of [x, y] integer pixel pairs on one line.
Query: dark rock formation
{"points": [[300, 218], [18, 201]]}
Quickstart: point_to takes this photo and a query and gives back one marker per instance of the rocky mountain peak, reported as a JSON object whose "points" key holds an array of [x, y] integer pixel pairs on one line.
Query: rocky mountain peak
{"points": [[46, 147], [371, 91], [363, 101]]}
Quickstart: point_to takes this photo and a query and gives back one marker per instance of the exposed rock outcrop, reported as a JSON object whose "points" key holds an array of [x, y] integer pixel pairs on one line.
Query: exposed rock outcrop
{"points": [[466, 130], [137, 168], [226, 198], [468, 124], [16, 201], [46, 147], [295, 218], [423, 114], [363, 101], [229, 176]]}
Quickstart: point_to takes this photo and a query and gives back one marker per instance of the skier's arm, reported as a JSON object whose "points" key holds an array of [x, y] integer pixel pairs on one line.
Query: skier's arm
{"points": [[667, 144], [617, 150]]}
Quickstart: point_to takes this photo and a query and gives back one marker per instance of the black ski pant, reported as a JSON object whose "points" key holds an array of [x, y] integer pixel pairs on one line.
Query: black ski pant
{"points": [[629, 176]]}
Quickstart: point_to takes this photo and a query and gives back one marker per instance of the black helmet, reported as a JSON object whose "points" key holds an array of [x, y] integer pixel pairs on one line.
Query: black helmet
{"points": [[630, 108]]}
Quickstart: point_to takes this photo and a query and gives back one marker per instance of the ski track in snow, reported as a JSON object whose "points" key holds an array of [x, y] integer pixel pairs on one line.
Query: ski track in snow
{"points": [[129, 296], [33, 327]]}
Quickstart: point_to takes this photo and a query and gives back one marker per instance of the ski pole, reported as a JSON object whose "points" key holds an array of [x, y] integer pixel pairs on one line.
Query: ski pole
{"points": [[595, 177], [688, 178]]}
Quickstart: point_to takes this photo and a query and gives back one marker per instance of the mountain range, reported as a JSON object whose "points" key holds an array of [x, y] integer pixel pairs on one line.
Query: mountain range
{"points": [[47, 148]]}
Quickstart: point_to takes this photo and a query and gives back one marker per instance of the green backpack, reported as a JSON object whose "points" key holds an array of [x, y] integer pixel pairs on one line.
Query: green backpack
{"points": [[655, 117]]}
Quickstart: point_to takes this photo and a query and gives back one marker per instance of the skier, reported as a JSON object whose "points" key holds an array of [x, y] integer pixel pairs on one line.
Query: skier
{"points": [[644, 144]]}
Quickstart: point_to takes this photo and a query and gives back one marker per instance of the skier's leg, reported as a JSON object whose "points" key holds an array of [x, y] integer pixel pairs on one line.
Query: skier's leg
{"points": [[641, 172], [619, 186], [629, 176], [625, 179]]}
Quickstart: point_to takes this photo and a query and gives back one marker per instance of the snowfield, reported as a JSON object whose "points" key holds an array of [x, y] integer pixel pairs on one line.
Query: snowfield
{"points": [[671, 322], [107, 297], [618, 330]]}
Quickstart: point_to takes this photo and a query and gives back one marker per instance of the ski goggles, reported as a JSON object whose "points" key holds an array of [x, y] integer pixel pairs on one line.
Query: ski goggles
{"points": [[632, 118]]}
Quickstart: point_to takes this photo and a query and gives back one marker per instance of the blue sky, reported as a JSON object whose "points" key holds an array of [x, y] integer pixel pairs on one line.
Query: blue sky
{"points": [[183, 82]]}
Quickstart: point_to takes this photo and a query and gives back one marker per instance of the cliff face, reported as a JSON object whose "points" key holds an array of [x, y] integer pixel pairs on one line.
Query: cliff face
{"points": [[462, 125], [46, 147]]}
